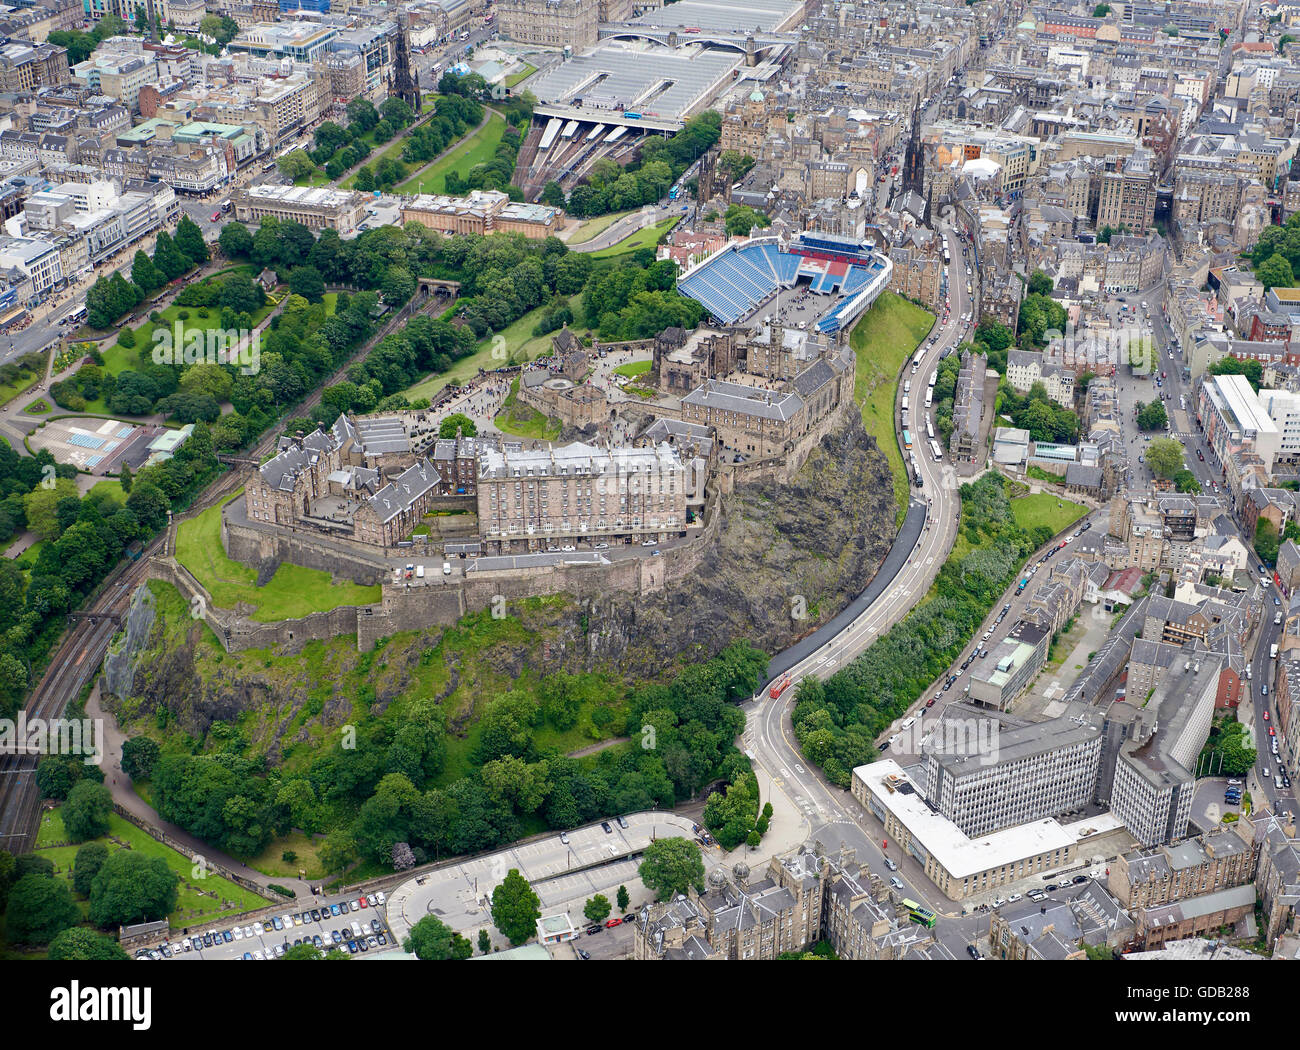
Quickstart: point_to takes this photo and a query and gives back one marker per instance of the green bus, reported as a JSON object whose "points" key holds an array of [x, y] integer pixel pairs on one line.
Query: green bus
{"points": [[919, 914]]}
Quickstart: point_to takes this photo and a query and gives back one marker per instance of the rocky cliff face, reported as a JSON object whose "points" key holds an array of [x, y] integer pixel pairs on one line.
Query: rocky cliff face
{"points": [[787, 559]]}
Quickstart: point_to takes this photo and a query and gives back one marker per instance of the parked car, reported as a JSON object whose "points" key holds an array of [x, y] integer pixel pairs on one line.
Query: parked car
{"points": [[604, 826]]}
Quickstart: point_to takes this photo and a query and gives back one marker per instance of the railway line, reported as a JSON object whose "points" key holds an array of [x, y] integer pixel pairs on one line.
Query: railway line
{"points": [[82, 650]]}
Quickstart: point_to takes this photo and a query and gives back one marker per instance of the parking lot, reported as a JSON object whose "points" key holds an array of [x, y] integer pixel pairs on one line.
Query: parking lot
{"points": [[354, 925]]}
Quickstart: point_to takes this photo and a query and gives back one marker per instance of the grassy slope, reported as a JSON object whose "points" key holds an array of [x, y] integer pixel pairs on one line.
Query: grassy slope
{"points": [[198, 900], [599, 224], [644, 238], [519, 340], [523, 421], [293, 591], [477, 148], [883, 339]]}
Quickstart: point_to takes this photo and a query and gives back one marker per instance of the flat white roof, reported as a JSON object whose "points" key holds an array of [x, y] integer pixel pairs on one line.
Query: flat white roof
{"points": [[1244, 403], [960, 855]]}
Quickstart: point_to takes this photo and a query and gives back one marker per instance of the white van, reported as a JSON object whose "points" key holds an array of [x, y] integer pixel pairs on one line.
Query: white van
{"points": [[419, 572], [1277, 618], [356, 930], [446, 568], [908, 723]]}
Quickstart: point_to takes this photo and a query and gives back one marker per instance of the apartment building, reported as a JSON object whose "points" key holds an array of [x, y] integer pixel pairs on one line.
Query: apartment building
{"points": [[1007, 672], [26, 67], [1027, 367], [1127, 195], [1224, 857], [1058, 928], [805, 896], [550, 23], [1235, 419], [37, 259], [117, 75], [531, 499], [1277, 873]]}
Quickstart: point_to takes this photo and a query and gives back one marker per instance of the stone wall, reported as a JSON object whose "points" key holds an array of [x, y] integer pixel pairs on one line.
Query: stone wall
{"points": [[439, 601]]}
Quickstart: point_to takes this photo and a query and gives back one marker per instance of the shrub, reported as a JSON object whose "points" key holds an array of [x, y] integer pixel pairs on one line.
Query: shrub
{"points": [[281, 890]]}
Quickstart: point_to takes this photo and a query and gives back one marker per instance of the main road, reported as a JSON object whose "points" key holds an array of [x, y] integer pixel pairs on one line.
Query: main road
{"points": [[912, 564]]}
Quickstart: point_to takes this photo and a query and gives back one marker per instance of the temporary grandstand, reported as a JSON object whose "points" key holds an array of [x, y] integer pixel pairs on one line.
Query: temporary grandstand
{"points": [[734, 282]]}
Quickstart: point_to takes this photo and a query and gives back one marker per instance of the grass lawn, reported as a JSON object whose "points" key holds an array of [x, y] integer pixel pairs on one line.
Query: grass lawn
{"points": [[9, 391], [1043, 508], [599, 224], [117, 358], [520, 342], [646, 238], [634, 368], [523, 74], [110, 487], [198, 900], [883, 339], [293, 591], [271, 860], [477, 148], [316, 178], [523, 421]]}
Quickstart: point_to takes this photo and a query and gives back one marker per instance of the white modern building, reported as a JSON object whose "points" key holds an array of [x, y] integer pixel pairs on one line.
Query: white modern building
{"points": [[1283, 408], [1020, 774], [1235, 418]]}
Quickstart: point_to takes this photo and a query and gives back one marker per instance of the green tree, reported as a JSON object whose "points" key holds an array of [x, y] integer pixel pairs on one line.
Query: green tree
{"points": [[622, 898], [447, 428], [78, 944], [1152, 415], [296, 165], [430, 938], [307, 282], [1185, 481], [1165, 457], [515, 908], [670, 865], [1101, 11], [1266, 541], [235, 240], [189, 241], [1275, 272], [145, 273], [40, 907], [484, 941], [85, 866], [132, 888], [86, 813], [305, 952], [597, 908]]}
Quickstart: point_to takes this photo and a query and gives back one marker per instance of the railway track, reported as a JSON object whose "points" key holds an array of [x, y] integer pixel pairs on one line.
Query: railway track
{"points": [[82, 650]]}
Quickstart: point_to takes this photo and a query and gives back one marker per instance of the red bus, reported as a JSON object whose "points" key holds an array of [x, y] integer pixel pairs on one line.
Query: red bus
{"points": [[779, 686], [216, 216]]}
